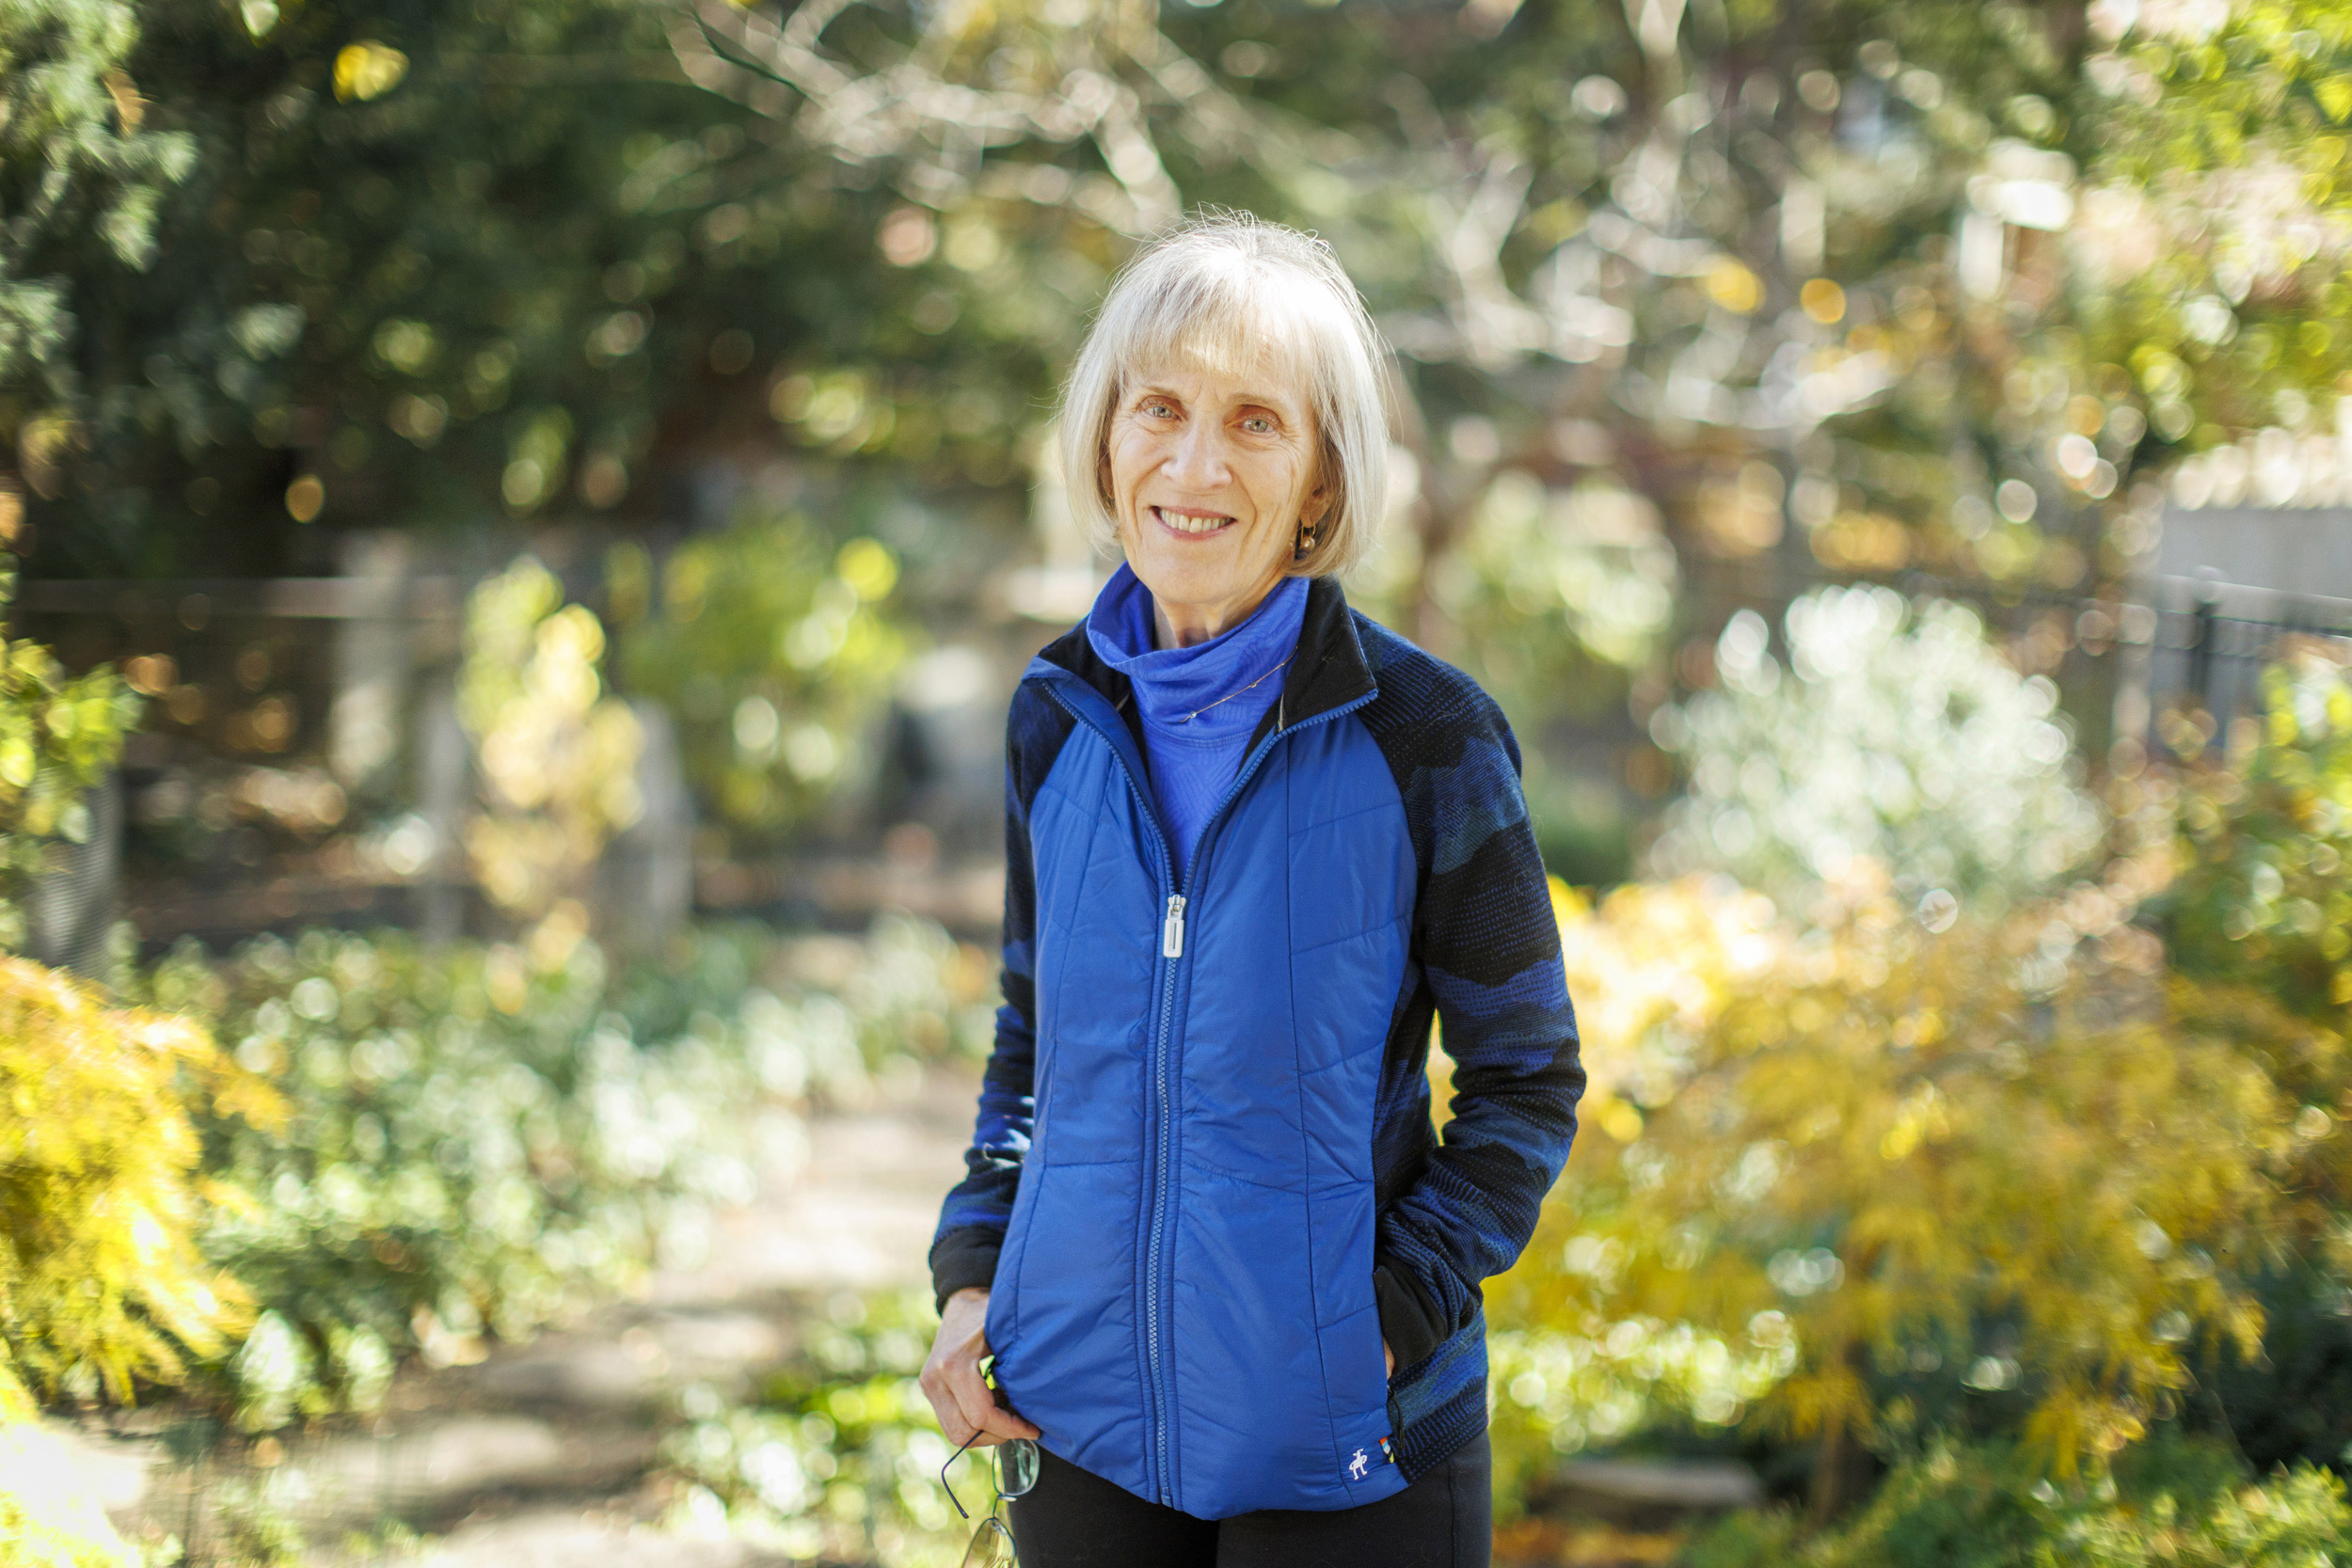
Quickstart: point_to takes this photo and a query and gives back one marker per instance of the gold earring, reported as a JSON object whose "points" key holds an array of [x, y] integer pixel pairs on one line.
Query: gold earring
{"points": [[1305, 545]]}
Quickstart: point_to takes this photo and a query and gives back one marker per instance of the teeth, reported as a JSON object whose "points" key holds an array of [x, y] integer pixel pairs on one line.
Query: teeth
{"points": [[1183, 524]]}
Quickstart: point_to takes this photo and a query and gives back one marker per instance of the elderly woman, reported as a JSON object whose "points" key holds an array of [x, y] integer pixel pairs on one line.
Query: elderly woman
{"points": [[1228, 1274]]}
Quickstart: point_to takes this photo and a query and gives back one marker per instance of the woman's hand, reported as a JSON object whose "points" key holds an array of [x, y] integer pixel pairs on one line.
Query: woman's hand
{"points": [[951, 1380], [1391, 1354]]}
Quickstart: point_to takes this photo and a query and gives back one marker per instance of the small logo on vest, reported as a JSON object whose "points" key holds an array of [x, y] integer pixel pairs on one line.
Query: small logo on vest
{"points": [[1355, 1466]]}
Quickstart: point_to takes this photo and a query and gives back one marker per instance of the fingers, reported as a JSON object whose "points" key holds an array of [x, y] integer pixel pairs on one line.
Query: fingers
{"points": [[975, 1404], [960, 1398], [1005, 1424]]}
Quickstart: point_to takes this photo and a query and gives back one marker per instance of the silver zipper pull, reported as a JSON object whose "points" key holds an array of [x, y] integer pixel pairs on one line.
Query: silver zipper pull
{"points": [[1172, 929]]}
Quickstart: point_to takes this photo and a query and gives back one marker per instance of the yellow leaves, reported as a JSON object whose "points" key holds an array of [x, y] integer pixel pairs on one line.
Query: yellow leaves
{"points": [[1922, 1115], [1876, 1134], [98, 1191], [2334, 94], [368, 69], [868, 567], [1732, 286], [1822, 300], [559, 757]]}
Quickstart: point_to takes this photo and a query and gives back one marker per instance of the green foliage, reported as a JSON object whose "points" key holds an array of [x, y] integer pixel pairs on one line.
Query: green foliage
{"points": [[840, 1457], [101, 1283], [2262, 895], [478, 1139], [1991, 1506], [774, 650], [1894, 735], [2222, 120], [58, 735], [475, 1141], [79, 182], [1569, 587]]}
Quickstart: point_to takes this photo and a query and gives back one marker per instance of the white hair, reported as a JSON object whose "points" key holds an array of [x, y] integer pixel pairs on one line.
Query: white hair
{"points": [[1231, 291]]}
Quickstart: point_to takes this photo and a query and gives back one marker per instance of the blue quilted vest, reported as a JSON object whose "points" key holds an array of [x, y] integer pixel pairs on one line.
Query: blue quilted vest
{"points": [[1206, 1126]]}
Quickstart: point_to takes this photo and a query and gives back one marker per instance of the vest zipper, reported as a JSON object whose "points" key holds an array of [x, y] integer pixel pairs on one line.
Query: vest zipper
{"points": [[1171, 952]]}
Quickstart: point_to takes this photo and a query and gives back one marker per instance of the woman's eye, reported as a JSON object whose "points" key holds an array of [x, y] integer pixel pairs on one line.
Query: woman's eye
{"points": [[1159, 410], [1258, 424]]}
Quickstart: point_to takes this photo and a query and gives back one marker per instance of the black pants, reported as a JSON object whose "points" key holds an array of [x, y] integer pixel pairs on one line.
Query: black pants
{"points": [[1075, 1519]]}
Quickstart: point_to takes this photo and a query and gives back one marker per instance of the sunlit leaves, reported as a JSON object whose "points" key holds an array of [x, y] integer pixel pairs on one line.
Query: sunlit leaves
{"points": [[101, 1284], [59, 737], [773, 652], [76, 165], [1882, 1134], [368, 69], [558, 756]]}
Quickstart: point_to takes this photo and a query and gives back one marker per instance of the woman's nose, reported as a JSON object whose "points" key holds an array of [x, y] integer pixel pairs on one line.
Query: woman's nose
{"points": [[1199, 460]]}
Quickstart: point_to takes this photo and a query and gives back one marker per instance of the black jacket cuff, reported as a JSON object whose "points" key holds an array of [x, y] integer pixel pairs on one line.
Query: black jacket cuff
{"points": [[1410, 1325], [962, 1259]]}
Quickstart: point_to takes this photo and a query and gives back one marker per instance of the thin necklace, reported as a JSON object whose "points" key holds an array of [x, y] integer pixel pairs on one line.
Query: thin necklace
{"points": [[1231, 695]]}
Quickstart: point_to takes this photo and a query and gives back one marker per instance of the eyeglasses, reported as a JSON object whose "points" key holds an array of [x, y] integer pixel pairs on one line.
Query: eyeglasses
{"points": [[1016, 1467]]}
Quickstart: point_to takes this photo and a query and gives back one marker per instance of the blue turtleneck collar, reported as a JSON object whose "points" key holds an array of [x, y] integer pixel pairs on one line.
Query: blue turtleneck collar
{"points": [[1193, 758]]}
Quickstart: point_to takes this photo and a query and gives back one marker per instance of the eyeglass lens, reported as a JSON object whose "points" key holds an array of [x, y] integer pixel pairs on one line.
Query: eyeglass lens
{"points": [[991, 1547], [1016, 1467]]}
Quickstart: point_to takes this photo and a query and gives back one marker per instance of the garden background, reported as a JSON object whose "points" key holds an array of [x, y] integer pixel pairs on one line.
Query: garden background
{"points": [[524, 515]]}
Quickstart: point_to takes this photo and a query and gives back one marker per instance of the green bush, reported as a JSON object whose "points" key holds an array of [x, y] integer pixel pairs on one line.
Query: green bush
{"points": [[2264, 896], [1894, 735], [478, 1144], [840, 1457], [773, 650], [58, 735], [2174, 1500]]}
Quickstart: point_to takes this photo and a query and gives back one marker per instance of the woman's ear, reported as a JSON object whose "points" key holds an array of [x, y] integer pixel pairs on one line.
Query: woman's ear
{"points": [[1318, 502]]}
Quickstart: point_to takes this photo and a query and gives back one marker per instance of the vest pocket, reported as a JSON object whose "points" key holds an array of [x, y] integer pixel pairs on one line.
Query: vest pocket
{"points": [[1347, 1312], [1003, 1325]]}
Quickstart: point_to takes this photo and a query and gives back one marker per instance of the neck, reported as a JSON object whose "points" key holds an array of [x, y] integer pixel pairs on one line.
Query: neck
{"points": [[1181, 625]]}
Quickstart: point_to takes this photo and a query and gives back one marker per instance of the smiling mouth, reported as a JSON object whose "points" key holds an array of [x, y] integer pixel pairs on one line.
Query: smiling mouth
{"points": [[1194, 523]]}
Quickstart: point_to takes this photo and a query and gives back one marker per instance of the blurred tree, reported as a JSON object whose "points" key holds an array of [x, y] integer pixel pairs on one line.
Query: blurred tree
{"points": [[1811, 280], [468, 263], [2212, 238], [773, 650], [558, 756], [80, 179]]}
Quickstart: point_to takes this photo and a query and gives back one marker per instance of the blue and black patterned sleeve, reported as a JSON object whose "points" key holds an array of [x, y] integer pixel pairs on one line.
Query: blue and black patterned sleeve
{"points": [[1486, 944], [973, 1219]]}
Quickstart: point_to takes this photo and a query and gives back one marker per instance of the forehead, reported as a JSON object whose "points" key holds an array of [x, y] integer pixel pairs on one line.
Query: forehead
{"points": [[1212, 374], [1240, 336]]}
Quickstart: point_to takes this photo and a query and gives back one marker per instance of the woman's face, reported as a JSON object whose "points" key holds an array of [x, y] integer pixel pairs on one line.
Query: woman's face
{"points": [[1210, 477]]}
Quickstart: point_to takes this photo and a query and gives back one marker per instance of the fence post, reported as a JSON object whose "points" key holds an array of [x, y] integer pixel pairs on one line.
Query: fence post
{"points": [[70, 909], [2200, 650]]}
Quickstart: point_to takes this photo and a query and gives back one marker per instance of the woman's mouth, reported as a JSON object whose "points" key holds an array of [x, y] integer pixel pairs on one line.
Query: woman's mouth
{"points": [[1181, 521]]}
